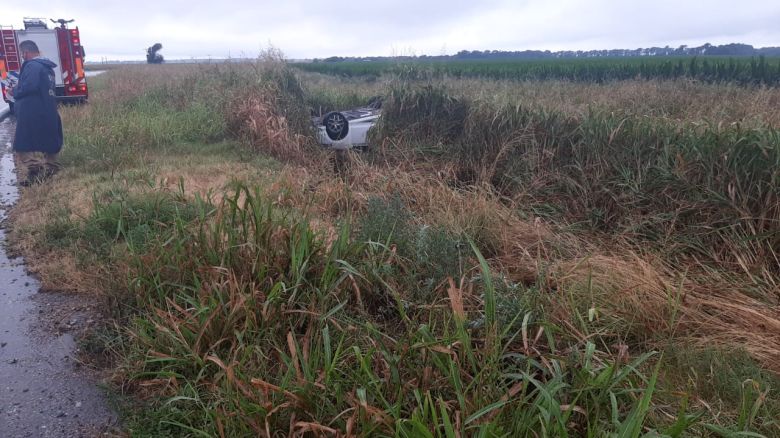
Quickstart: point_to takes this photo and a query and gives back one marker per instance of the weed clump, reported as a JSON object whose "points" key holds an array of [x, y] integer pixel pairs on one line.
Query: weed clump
{"points": [[388, 222], [271, 115], [249, 322], [431, 254], [440, 254], [729, 377], [427, 114]]}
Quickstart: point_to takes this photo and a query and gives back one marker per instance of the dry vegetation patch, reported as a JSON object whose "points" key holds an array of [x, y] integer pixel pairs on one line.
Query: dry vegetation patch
{"points": [[641, 297]]}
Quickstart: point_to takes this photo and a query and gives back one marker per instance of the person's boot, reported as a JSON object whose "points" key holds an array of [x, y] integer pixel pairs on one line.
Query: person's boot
{"points": [[48, 172], [33, 177]]}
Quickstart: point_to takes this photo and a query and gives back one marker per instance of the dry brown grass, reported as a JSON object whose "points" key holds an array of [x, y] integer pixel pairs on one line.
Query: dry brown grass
{"points": [[646, 299], [208, 180], [57, 269], [639, 295], [642, 295], [256, 119], [514, 245]]}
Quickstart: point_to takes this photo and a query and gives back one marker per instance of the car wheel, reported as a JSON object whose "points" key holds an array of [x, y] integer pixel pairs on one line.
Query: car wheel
{"points": [[11, 108], [336, 126]]}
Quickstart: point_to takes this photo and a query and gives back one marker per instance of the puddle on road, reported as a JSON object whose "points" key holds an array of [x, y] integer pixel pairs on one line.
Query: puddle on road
{"points": [[42, 394]]}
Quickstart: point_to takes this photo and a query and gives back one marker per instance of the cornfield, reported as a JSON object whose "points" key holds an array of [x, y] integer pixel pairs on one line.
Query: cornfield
{"points": [[745, 71]]}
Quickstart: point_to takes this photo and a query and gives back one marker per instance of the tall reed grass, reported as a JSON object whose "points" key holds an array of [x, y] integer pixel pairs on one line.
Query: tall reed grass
{"points": [[701, 190]]}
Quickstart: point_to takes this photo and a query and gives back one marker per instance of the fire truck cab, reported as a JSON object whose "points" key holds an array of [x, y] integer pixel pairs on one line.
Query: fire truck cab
{"points": [[60, 44]]}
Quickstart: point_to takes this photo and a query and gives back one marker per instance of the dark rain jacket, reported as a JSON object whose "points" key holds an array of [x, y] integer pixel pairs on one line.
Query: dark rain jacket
{"points": [[38, 125]]}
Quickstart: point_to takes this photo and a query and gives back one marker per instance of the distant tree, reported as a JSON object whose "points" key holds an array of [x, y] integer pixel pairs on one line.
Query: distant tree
{"points": [[733, 49], [152, 57]]}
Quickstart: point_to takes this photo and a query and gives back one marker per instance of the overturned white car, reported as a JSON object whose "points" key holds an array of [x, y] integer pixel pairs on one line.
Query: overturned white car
{"points": [[347, 129]]}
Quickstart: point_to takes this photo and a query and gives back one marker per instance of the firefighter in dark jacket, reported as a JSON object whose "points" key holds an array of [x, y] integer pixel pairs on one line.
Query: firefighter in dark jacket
{"points": [[38, 139]]}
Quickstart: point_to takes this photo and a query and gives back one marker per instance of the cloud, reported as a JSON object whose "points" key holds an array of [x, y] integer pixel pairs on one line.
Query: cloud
{"points": [[307, 28]]}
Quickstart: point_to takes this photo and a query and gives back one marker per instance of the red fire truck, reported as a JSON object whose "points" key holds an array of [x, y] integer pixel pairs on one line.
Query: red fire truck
{"points": [[61, 45]]}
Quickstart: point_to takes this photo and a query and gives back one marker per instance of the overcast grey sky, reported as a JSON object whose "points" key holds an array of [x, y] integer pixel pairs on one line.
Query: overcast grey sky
{"points": [[317, 28]]}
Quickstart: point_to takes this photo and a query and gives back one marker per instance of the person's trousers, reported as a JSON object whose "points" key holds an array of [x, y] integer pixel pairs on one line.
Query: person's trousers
{"points": [[36, 163]]}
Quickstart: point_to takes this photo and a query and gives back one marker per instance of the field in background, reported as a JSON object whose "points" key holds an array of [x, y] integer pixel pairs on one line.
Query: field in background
{"points": [[757, 70], [510, 257]]}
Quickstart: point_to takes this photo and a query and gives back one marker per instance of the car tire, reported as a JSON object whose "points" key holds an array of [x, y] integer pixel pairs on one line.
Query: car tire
{"points": [[336, 125], [11, 108]]}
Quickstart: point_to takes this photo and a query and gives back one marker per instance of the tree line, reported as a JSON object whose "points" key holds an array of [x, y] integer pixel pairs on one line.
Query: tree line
{"points": [[732, 49]]}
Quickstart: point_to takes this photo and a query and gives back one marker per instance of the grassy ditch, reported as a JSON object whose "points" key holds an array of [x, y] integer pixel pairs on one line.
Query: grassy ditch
{"points": [[425, 291], [260, 325]]}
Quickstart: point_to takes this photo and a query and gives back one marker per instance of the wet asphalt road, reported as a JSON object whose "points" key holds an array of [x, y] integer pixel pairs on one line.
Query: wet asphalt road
{"points": [[42, 391]]}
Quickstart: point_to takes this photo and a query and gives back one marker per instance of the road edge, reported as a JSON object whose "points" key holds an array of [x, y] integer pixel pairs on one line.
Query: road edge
{"points": [[4, 114]]}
